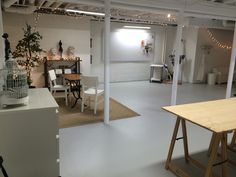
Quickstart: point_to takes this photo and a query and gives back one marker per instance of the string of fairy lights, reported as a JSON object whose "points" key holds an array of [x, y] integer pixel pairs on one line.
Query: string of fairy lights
{"points": [[217, 42], [36, 19], [168, 20]]}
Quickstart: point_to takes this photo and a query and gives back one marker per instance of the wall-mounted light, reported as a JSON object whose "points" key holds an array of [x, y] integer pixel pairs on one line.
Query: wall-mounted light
{"points": [[168, 15], [85, 12], [137, 27]]}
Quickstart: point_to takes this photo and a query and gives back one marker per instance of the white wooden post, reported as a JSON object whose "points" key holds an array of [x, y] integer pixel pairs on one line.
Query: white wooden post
{"points": [[107, 62], [177, 58], [231, 66], [2, 51]]}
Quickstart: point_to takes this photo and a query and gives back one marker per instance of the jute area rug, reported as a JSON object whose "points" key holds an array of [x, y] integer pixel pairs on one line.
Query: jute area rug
{"points": [[69, 117]]}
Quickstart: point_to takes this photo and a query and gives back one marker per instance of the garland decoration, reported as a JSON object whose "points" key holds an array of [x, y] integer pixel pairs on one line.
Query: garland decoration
{"points": [[217, 42]]}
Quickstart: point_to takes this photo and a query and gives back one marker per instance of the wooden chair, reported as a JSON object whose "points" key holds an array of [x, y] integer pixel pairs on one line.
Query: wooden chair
{"points": [[54, 87], [90, 91]]}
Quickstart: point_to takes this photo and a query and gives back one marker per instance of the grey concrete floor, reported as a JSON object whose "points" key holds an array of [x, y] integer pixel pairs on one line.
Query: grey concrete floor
{"points": [[138, 146]]}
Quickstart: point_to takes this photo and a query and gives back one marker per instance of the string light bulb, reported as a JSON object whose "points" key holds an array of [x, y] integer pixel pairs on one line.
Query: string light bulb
{"points": [[36, 19], [217, 42]]}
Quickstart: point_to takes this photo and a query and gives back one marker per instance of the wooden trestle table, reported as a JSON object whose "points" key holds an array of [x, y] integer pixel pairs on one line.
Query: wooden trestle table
{"points": [[219, 117]]}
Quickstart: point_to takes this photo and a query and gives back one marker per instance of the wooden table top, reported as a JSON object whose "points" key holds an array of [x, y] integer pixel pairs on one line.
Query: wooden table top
{"points": [[72, 77], [217, 116]]}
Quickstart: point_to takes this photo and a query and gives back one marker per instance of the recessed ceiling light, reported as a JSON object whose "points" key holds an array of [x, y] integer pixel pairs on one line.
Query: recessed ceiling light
{"points": [[138, 27], [85, 12]]}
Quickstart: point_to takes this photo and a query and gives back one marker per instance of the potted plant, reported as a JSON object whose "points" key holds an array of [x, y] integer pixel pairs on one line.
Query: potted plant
{"points": [[28, 51]]}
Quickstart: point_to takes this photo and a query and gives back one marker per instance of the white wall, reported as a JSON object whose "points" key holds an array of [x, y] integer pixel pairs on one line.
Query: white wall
{"points": [[217, 57], [190, 36], [71, 31], [125, 44], [195, 38], [188, 48], [170, 44], [130, 70]]}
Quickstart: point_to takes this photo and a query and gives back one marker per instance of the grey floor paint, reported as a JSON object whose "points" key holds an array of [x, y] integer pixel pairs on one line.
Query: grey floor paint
{"points": [[134, 147]]}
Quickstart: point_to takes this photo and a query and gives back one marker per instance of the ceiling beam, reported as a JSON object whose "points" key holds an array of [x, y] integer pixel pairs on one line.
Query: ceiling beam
{"points": [[48, 3], [201, 7], [205, 9], [210, 9], [229, 1], [40, 3], [57, 4], [8, 3]]}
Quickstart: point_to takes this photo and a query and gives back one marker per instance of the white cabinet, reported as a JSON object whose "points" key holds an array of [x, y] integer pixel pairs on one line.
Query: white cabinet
{"points": [[28, 134]]}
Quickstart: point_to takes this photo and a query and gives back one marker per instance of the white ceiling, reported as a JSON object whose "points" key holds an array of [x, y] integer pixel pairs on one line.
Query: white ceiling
{"points": [[138, 11]]}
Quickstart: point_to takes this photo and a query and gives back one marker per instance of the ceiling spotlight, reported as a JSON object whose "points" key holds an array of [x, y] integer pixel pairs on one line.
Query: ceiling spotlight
{"points": [[168, 15], [137, 27], [85, 12]]}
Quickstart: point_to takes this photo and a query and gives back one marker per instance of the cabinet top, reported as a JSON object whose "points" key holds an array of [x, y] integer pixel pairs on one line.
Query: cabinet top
{"points": [[39, 98]]}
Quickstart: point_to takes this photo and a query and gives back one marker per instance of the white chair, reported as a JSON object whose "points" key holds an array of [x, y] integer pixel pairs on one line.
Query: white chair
{"points": [[55, 87], [67, 71], [90, 90], [58, 71]]}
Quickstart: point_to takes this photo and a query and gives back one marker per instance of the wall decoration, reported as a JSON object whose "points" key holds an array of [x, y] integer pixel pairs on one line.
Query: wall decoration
{"points": [[147, 48], [60, 49], [7, 46], [217, 42], [71, 52], [142, 43], [52, 54]]}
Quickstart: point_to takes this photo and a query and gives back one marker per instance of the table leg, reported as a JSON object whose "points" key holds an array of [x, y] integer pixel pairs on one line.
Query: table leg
{"points": [[185, 140], [233, 141], [211, 144], [76, 92], [231, 147], [172, 144], [162, 73], [224, 154], [213, 154]]}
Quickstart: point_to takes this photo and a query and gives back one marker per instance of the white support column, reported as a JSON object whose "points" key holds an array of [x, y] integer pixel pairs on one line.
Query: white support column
{"points": [[107, 62], [2, 52], [231, 66], [177, 58]]}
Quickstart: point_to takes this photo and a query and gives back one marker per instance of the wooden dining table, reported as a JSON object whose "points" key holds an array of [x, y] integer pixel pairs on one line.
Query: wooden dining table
{"points": [[219, 117], [74, 81]]}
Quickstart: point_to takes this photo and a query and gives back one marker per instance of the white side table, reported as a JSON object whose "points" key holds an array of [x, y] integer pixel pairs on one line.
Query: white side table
{"points": [[156, 73]]}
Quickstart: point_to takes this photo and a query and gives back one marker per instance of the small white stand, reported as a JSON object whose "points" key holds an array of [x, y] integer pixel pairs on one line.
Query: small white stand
{"points": [[156, 73]]}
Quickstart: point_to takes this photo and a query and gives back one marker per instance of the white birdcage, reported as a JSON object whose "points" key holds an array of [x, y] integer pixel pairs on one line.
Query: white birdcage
{"points": [[15, 87]]}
